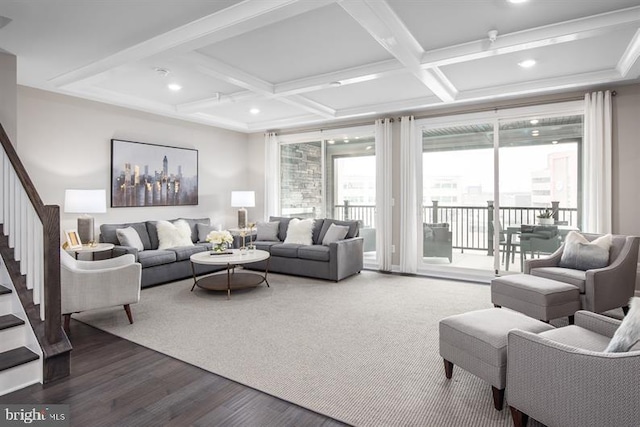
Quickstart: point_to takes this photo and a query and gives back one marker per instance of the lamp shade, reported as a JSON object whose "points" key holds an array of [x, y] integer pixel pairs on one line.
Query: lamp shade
{"points": [[243, 199], [85, 201]]}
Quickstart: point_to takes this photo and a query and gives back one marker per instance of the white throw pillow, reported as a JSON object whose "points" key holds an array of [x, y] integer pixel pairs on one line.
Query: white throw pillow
{"points": [[628, 333], [129, 237], [172, 235], [335, 233], [300, 231]]}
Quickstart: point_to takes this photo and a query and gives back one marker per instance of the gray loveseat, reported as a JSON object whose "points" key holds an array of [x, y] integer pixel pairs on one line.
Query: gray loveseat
{"points": [[335, 261], [160, 266]]}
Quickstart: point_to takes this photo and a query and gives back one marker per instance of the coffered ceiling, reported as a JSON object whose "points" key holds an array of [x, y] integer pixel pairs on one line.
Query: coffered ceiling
{"points": [[303, 62]]}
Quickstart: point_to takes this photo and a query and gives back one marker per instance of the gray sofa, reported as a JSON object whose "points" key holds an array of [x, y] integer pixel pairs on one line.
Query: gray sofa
{"points": [[335, 261], [160, 266]]}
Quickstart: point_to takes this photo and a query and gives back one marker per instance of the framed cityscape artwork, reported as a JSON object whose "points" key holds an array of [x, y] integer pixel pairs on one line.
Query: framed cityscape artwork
{"points": [[152, 175]]}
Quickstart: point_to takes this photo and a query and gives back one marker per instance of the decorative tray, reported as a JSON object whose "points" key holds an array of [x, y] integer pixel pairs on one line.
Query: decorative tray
{"points": [[227, 252]]}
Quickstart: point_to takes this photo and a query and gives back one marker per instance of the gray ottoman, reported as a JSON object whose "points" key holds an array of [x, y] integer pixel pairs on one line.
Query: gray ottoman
{"points": [[477, 342], [540, 298]]}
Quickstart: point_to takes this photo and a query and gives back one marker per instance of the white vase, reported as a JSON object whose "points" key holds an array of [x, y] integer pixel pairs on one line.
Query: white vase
{"points": [[546, 221]]}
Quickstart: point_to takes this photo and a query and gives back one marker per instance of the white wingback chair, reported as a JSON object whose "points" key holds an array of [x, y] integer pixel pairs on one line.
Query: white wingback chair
{"points": [[88, 285]]}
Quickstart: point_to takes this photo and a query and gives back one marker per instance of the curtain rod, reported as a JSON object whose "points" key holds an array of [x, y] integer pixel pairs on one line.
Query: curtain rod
{"points": [[426, 114]]}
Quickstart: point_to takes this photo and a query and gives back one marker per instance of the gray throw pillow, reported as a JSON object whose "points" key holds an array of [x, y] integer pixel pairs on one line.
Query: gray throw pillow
{"points": [[267, 231], [580, 254], [129, 237], [204, 230], [335, 233]]}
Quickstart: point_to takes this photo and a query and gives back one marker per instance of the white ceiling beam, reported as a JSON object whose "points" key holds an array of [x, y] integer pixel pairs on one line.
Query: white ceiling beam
{"points": [[630, 55], [309, 105], [237, 19], [528, 88], [220, 121], [547, 35], [323, 81], [214, 101], [344, 77], [127, 101], [222, 71], [218, 69], [573, 81], [286, 122], [389, 107], [382, 23]]}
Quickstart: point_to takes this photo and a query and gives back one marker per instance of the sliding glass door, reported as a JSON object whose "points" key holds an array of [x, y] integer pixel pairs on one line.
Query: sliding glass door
{"points": [[457, 183], [331, 176], [539, 164], [486, 179]]}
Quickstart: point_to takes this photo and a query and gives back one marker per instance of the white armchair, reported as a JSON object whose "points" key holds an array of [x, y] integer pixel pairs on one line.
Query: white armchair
{"points": [[88, 285]]}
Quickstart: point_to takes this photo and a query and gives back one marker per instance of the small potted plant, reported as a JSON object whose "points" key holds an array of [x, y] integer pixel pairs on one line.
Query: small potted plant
{"points": [[545, 217]]}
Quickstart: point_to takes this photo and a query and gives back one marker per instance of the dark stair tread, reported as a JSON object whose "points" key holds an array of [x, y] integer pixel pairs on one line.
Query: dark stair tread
{"points": [[9, 321], [16, 357], [4, 290]]}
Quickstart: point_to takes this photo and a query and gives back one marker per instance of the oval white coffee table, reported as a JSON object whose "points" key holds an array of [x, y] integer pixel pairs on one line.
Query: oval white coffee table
{"points": [[230, 280]]}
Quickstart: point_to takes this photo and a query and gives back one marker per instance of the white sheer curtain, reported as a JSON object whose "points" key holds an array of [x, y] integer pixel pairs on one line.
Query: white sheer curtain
{"points": [[410, 167], [271, 168], [597, 188], [383, 194]]}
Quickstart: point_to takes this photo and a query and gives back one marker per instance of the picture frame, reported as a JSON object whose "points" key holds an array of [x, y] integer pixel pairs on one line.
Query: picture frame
{"points": [[145, 174], [73, 239]]}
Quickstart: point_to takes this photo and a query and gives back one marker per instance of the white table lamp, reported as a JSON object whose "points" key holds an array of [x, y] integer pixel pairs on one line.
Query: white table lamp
{"points": [[242, 200], [85, 202]]}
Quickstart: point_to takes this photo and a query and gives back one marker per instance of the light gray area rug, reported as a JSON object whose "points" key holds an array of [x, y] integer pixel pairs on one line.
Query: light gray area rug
{"points": [[364, 351]]}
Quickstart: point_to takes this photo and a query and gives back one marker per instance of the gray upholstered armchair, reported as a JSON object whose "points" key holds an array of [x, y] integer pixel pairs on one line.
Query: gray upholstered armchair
{"points": [[562, 377], [601, 289], [87, 285]]}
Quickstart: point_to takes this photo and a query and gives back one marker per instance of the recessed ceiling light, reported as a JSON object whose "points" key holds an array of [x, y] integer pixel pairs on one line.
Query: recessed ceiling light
{"points": [[554, 142], [331, 141], [254, 110], [534, 121], [162, 72], [369, 147], [346, 141], [527, 63], [357, 137], [517, 1], [174, 87]]}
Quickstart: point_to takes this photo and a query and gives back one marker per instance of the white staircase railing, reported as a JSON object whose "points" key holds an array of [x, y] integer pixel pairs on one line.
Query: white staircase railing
{"points": [[32, 230], [23, 227]]}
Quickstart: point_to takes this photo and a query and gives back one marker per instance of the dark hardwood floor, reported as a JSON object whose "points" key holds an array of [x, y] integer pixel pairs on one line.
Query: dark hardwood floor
{"points": [[115, 382]]}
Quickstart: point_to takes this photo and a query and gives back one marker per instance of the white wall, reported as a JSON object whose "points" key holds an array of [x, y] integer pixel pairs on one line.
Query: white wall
{"points": [[256, 175], [626, 160], [65, 142], [8, 95]]}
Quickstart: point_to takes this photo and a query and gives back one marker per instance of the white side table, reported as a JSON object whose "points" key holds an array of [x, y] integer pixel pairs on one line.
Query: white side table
{"points": [[99, 247]]}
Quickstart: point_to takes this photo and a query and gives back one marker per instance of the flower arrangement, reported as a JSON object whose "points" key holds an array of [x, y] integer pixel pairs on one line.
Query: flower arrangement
{"points": [[219, 239]]}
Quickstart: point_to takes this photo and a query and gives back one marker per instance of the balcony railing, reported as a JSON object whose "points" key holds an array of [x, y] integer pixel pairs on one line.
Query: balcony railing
{"points": [[470, 225]]}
